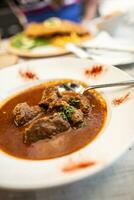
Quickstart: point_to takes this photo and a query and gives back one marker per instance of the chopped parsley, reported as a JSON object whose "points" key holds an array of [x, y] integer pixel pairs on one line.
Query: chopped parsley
{"points": [[68, 112], [74, 102], [63, 116]]}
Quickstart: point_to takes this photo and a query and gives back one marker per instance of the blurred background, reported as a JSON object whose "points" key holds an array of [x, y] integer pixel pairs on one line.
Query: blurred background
{"points": [[15, 14], [9, 23], [110, 21]]}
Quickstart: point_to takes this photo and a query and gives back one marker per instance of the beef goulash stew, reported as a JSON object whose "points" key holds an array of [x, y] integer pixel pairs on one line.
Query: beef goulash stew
{"points": [[50, 120]]}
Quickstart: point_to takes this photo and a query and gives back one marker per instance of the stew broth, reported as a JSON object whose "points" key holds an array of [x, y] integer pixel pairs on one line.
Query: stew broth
{"points": [[11, 136]]}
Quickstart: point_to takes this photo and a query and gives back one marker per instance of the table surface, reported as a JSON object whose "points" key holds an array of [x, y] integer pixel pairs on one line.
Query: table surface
{"points": [[115, 183]]}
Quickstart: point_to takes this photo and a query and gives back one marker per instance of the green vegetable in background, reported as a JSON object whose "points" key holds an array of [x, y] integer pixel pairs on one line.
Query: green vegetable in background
{"points": [[21, 41]]}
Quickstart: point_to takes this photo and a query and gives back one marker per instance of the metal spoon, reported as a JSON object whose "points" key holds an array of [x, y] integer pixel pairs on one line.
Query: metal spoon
{"points": [[122, 83], [80, 89]]}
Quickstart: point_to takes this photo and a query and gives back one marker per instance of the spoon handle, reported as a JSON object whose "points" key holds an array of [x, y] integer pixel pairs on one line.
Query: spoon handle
{"points": [[123, 83]]}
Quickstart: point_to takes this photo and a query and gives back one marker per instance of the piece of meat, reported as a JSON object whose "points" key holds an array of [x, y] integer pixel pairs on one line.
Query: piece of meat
{"points": [[49, 96], [23, 113], [73, 115], [60, 123], [77, 117], [59, 105], [77, 100], [70, 94], [45, 128], [85, 104]]}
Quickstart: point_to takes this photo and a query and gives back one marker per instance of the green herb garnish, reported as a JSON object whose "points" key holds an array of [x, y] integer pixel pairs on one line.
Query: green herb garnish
{"points": [[63, 116], [66, 112], [69, 111], [74, 102]]}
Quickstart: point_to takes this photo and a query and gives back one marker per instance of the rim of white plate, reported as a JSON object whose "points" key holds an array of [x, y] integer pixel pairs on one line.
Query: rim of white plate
{"points": [[75, 177]]}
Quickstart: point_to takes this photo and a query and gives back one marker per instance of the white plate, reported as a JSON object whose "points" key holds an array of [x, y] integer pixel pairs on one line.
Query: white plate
{"points": [[104, 150], [111, 50], [38, 52]]}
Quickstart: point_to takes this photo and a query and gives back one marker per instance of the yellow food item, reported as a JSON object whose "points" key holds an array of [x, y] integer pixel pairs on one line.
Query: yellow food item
{"points": [[73, 37], [54, 27]]}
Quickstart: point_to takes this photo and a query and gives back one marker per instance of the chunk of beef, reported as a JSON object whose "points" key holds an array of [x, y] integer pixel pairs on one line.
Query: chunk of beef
{"points": [[60, 123], [77, 100], [59, 105], [49, 96], [77, 117], [68, 95], [45, 128], [23, 113], [73, 115], [85, 104]]}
